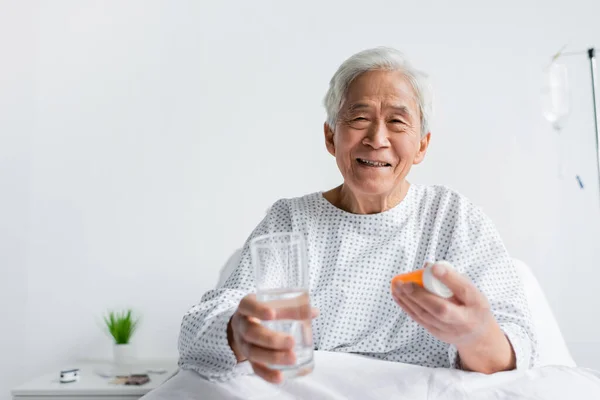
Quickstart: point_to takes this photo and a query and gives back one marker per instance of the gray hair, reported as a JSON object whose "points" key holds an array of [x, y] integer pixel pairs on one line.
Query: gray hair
{"points": [[383, 58]]}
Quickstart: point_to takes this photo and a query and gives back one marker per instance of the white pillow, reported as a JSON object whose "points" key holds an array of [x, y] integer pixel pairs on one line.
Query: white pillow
{"points": [[551, 344]]}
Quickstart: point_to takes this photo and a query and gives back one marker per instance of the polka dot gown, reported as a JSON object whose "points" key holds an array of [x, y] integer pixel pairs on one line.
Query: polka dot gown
{"points": [[352, 259]]}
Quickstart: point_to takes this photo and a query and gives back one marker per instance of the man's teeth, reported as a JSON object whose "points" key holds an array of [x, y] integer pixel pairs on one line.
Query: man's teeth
{"points": [[373, 163]]}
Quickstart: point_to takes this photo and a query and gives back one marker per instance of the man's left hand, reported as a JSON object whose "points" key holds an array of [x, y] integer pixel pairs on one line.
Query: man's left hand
{"points": [[463, 318]]}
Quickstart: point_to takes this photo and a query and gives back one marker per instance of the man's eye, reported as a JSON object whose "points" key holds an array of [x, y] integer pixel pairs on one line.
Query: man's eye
{"points": [[360, 119], [397, 121]]}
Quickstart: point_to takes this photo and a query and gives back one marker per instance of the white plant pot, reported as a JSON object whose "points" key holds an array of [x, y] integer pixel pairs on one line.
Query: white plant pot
{"points": [[123, 354]]}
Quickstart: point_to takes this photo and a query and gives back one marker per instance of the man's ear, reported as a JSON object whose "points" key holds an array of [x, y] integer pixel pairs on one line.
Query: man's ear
{"points": [[424, 144], [329, 139]]}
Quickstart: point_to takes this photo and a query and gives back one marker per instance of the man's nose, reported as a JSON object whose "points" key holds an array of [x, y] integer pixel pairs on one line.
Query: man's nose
{"points": [[377, 136]]}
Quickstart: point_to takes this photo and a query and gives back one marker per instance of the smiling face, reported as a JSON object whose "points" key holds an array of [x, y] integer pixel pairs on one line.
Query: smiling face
{"points": [[377, 137]]}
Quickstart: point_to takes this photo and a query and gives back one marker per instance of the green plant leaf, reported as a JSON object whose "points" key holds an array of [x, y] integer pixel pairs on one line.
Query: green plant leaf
{"points": [[121, 325]]}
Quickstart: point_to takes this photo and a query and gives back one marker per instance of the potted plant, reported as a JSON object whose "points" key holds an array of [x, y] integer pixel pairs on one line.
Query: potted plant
{"points": [[121, 326]]}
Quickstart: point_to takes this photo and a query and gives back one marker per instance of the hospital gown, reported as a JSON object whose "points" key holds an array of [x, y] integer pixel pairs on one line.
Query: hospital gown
{"points": [[352, 258]]}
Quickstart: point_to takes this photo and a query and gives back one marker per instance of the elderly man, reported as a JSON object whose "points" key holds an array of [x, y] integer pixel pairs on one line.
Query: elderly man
{"points": [[361, 234]]}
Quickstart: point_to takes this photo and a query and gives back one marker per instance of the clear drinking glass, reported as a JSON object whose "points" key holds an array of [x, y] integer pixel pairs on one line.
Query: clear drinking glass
{"points": [[281, 267]]}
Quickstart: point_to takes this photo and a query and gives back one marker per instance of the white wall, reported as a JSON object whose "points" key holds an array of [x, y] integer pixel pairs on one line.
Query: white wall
{"points": [[141, 141], [16, 128]]}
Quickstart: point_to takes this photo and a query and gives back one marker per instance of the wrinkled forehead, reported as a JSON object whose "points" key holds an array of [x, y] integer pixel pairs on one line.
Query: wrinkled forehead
{"points": [[379, 88]]}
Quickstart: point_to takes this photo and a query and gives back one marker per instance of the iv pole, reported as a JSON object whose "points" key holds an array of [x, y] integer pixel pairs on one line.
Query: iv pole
{"points": [[591, 52], [592, 57]]}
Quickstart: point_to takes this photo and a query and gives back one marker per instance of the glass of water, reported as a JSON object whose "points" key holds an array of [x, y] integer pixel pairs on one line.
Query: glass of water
{"points": [[281, 267]]}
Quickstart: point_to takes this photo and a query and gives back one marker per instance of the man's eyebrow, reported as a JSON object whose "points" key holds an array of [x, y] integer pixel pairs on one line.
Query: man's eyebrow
{"points": [[357, 106], [403, 110]]}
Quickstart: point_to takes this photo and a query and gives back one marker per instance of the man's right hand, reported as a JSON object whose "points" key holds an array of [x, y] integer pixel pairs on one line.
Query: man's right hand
{"points": [[251, 341]]}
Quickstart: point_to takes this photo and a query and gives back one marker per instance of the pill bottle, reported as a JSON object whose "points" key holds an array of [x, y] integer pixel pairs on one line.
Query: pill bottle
{"points": [[424, 278]]}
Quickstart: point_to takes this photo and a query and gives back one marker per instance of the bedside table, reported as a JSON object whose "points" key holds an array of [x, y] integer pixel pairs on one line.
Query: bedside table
{"points": [[93, 384]]}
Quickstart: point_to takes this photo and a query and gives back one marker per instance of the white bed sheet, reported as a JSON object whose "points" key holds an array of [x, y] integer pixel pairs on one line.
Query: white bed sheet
{"points": [[350, 376]]}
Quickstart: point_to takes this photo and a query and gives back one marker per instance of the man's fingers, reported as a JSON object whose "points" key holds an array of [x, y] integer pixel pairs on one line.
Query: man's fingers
{"points": [[250, 307], [464, 290], [434, 330], [258, 335], [269, 375], [267, 356], [441, 309], [314, 313], [417, 312], [409, 311], [296, 313]]}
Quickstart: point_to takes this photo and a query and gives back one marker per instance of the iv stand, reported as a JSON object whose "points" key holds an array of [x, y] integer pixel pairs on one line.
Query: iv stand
{"points": [[592, 57], [591, 52]]}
